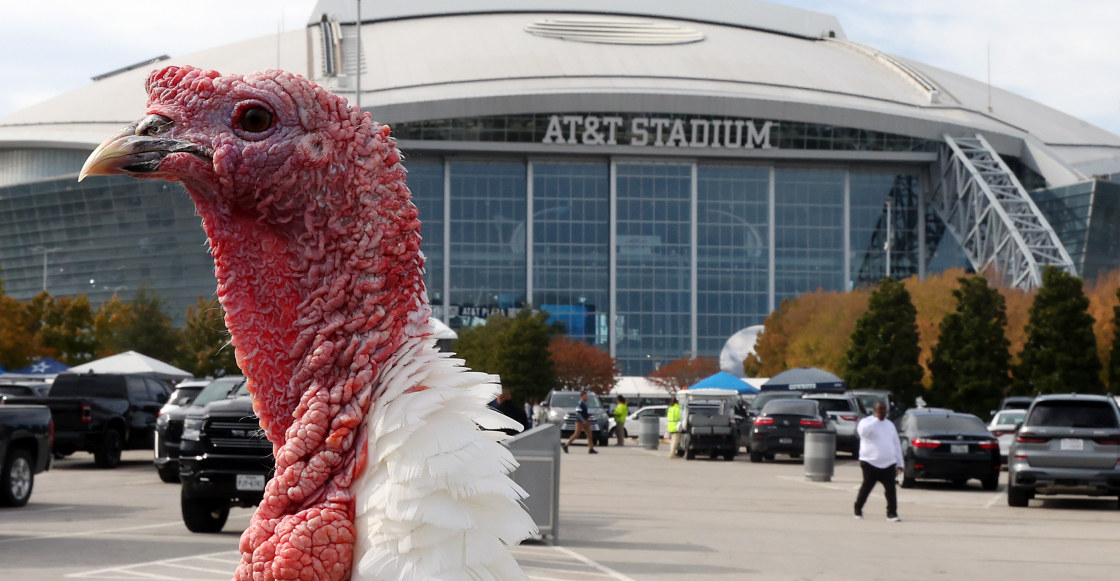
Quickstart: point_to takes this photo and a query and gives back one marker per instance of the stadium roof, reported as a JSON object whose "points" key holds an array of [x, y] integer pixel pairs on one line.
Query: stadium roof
{"points": [[431, 59]]}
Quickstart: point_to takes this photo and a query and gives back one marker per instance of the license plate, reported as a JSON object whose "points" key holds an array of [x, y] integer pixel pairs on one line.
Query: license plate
{"points": [[958, 448], [1073, 444], [250, 482], [786, 440]]}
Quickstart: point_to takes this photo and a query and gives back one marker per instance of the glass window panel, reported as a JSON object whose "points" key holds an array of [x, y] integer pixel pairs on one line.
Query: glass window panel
{"points": [[425, 181], [809, 231]]}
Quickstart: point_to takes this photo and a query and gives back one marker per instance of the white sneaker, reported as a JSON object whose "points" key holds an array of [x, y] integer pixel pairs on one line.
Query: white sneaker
{"points": [[859, 517], [894, 518]]}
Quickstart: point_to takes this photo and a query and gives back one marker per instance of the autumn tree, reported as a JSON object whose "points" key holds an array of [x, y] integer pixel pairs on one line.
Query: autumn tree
{"points": [[812, 330], [110, 323], [149, 328], [17, 339], [884, 346], [206, 349], [580, 366], [66, 330], [971, 364], [1103, 298], [1061, 350], [681, 373], [514, 348]]}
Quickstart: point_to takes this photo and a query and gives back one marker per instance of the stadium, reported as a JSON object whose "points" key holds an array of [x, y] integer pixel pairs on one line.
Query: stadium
{"points": [[657, 175]]}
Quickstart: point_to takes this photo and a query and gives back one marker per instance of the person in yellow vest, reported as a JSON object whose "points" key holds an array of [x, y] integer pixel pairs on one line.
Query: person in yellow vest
{"points": [[673, 419], [620, 413]]}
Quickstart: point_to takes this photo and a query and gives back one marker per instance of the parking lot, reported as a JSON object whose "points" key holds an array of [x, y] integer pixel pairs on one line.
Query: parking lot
{"points": [[626, 514]]}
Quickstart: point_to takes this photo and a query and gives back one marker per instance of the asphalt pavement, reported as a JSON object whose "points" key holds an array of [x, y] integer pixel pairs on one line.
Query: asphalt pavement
{"points": [[626, 515]]}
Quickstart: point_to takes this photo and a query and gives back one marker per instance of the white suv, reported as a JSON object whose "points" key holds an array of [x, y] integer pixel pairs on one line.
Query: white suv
{"points": [[846, 411]]}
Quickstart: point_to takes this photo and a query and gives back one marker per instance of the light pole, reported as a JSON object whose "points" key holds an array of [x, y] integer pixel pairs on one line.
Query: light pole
{"points": [[45, 252]]}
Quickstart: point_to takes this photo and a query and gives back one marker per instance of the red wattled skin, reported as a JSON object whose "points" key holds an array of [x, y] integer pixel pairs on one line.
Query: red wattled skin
{"points": [[316, 249]]}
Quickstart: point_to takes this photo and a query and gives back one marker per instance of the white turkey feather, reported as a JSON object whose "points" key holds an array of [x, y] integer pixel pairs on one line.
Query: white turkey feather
{"points": [[435, 501]]}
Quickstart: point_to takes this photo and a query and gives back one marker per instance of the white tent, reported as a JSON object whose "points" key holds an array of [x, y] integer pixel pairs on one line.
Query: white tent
{"points": [[132, 362], [634, 386]]}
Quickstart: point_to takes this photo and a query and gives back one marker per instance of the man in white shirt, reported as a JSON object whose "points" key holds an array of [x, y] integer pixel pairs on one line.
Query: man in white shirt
{"points": [[880, 457]]}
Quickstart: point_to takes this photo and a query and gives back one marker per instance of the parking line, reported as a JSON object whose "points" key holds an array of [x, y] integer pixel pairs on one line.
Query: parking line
{"points": [[606, 570], [130, 568], [994, 500]]}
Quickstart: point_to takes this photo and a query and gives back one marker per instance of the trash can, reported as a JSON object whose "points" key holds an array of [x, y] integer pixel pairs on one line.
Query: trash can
{"points": [[648, 435], [820, 455]]}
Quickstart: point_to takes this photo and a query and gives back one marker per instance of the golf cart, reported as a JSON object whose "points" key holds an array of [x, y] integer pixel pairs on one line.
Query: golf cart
{"points": [[708, 423]]}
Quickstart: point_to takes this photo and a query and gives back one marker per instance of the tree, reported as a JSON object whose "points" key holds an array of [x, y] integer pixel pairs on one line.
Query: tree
{"points": [[149, 330], [681, 373], [1114, 353], [17, 339], [884, 346], [1061, 350], [206, 349], [66, 330], [580, 366], [971, 364], [109, 325], [812, 330], [516, 349]]}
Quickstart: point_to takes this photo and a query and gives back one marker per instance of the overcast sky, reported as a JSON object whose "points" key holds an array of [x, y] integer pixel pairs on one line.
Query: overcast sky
{"points": [[1064, 53]]}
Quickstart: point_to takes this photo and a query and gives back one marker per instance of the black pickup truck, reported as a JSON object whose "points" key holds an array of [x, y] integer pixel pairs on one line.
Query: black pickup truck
{"points": [[224, 460], [25, 450], [102, 413]]}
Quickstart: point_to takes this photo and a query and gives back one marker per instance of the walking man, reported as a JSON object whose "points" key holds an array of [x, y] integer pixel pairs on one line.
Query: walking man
{"points": [[621, 410], [583, 424], [880, 457], [672, 423]]}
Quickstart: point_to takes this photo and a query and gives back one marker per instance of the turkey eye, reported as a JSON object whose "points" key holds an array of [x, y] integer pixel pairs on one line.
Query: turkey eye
{"points": [[256, 119]]}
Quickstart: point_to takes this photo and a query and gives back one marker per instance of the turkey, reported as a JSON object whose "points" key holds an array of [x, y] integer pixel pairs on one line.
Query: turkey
{"points": [[382, 471]]}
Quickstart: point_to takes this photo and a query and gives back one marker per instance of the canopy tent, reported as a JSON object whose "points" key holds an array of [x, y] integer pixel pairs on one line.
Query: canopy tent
{"points": [[724, 380], [805, 379], [132, 362], [634, 386], [45, 366]]}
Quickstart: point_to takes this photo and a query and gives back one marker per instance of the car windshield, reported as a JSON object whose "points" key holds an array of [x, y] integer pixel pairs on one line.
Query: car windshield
{"points": [[797, 407], [569, 399], [218, 389], [16, 390], [184, 395], [762, 399], [1017, 404], [1012, 418], [951, 424], [834, 405], [1072, 414], [870, 399]]}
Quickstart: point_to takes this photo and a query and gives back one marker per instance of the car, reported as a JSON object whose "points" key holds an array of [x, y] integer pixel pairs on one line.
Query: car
{"points": [[940, 444], [1068, 444], [630, 430], [560, 408], [760, 400], [870, 397], [709, 423], [102, 413], [169, 425], [780, 428], [26, 432], [1016, 402], [1003, 426], [225, 460], [845, 411], [23, 390], [185, 392]]}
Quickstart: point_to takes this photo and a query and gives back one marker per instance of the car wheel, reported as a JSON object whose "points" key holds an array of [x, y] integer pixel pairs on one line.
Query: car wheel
{"points": [[690, 454], [108, 452], [1018, 497], [990, 483], [729, 456], [959, 482], [204, 515], [905, 480], [756, 456], [795, 455], [713, 454], [169, 473], [17, 478], [769, 457]]}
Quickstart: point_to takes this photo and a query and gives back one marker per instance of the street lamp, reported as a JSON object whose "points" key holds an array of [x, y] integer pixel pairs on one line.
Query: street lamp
{"points": [[45, 252]]}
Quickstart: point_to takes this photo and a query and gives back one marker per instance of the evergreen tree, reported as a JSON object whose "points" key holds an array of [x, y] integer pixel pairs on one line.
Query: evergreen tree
{"points": [[149, 332], [1114, 353], [516, 349], [1061, 351], [971, 364], [884, 351], [207, 351]]}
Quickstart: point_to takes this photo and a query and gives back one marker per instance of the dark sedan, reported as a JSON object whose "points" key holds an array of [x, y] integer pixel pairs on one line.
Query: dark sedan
{"points": [[780, 427], [940, 444]]}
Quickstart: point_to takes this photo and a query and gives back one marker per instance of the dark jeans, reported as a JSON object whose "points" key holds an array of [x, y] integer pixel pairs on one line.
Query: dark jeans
{"points": [[884, 476]]}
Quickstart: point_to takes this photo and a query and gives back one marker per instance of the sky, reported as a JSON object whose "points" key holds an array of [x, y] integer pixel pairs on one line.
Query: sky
{"points": [[1063, 53]]}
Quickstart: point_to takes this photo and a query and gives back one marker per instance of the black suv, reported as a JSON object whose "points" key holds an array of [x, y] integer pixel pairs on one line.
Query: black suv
{"points": [[224, 460], [169, 426]]}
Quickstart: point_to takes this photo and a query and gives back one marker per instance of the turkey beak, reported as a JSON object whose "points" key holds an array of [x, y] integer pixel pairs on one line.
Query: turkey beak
{"points": [[137, 149]]}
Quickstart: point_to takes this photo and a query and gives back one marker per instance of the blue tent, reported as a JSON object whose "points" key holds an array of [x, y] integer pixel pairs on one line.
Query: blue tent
{"points": [[724, 380], [45, 366]]}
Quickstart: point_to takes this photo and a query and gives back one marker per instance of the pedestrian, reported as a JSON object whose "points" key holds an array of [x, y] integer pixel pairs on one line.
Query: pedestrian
{"points": [[583, 424], [880, 457], [673, 421], [538, 417], [512, 411], [529, 412], [620, 413]]}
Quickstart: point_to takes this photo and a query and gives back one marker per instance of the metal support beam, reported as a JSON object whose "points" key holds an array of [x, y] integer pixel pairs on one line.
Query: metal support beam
{"points": [[529, 234], [612, 318], [694, 255]]}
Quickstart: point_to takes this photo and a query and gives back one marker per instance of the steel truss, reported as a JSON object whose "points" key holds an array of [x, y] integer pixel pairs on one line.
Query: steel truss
{"points": [[992, 217]]}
